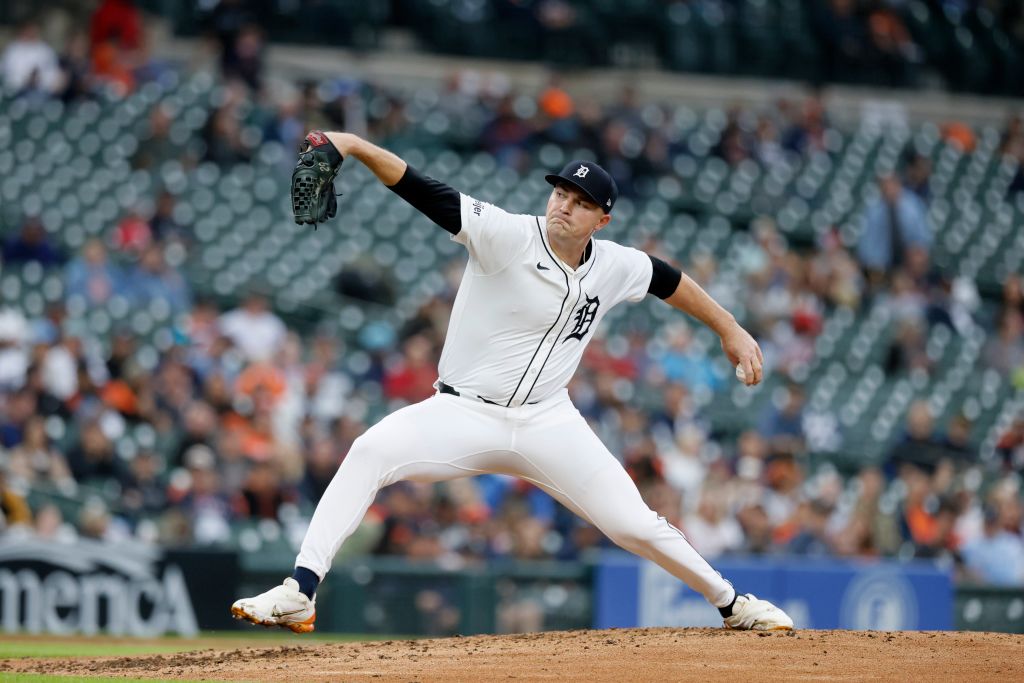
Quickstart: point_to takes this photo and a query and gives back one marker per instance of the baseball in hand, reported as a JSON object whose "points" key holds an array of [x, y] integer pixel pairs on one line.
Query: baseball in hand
{"points": [[740, 374]]}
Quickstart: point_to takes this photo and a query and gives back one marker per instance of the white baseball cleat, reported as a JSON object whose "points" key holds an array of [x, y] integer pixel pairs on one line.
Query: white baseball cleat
{"points": [[285, 606], [752, 614]]}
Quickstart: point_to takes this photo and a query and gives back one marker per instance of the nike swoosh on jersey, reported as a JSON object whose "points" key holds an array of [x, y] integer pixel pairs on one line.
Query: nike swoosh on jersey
{"points": [[540, 267]]}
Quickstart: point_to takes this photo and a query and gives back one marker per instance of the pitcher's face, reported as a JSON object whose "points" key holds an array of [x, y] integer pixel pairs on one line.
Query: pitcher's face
{"points": [[571, 214]]}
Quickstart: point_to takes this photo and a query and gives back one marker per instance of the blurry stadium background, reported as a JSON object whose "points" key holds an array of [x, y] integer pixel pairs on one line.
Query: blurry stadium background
{"points": [[182, 368]]}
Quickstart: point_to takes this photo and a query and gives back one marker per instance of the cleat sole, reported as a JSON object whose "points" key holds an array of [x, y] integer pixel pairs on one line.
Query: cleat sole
{"points": [[295, 627]]}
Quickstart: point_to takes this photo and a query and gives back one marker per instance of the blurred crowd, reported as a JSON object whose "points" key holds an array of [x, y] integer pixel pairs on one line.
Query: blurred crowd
{"points": [[108, 54], [247, 420], [875, 42], [972, 45], [238, 418]]}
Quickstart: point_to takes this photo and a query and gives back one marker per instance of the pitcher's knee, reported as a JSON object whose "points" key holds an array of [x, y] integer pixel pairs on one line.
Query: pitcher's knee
{"points": [[379, 455], [366, 453], [630, 536]]}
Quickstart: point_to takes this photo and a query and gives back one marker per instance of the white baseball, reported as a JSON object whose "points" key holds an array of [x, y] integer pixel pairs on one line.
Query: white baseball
{"points": [[740, 374]]}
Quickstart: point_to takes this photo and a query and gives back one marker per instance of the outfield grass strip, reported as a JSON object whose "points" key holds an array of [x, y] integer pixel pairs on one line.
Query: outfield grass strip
{"points": [[47, 678]]}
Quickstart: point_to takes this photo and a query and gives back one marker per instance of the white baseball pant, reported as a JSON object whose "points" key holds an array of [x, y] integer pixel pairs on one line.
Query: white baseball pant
{"points": [[548, 443]]}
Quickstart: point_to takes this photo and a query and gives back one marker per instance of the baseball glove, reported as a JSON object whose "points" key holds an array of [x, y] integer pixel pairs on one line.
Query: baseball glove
{"points": [[313, 198]]}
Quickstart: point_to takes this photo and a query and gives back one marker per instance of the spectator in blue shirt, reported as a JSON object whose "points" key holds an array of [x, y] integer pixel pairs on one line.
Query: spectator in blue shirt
{"points": [[687, 365], [783, 426], [997, 557], [92, 275], [153, 279], [896, 231]]}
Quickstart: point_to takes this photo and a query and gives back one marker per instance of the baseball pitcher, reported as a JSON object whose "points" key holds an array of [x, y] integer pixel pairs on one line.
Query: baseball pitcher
{"points": [[534, 291]]}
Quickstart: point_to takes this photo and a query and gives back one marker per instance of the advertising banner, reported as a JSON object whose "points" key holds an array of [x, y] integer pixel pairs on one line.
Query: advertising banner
{"points": [[827, 593], [93, 587]]}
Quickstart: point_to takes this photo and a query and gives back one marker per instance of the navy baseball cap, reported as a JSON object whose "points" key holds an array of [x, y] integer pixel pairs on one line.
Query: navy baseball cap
{"points": [[591, 180]]}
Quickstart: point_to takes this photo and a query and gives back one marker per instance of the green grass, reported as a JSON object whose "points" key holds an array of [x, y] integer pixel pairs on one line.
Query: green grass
{"points": [[46, 678], [81, 647], [106, 646], [32, 648]]}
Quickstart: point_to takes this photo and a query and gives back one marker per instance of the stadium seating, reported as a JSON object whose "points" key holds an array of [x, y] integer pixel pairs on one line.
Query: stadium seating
{"points": [[969, 47], [245, 239]]}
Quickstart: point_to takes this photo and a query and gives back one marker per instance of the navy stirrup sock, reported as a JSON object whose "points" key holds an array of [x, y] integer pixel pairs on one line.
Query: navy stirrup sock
{"points": [[726, 611], [307, 580]]}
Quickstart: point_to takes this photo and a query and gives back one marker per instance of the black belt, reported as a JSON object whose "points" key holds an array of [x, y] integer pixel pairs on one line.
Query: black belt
{"points": [[449, 389]]}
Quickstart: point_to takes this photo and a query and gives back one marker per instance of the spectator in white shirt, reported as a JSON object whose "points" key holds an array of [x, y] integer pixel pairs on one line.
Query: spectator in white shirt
{"points": [[254, 329], [29, 64], [14, 337], [710, 529]]}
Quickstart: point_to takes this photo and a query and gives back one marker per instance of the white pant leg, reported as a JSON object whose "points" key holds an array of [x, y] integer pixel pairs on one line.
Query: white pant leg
{"points": [[564, 456], [444, 437]]}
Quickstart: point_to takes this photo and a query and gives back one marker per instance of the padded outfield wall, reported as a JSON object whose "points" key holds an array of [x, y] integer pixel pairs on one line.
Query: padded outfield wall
{"points": [[91, 587]]}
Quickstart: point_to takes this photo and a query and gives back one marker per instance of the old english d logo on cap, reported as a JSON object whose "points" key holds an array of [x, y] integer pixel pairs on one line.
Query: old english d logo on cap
{"points": [[590, 179]]}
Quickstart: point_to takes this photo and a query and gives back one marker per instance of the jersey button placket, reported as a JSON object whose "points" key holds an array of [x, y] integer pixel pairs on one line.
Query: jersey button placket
{"points": [[548, 343], [553, 337]]}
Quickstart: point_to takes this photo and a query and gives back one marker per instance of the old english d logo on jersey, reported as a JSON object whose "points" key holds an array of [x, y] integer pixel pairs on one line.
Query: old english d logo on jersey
{"points": [[584, 318]]}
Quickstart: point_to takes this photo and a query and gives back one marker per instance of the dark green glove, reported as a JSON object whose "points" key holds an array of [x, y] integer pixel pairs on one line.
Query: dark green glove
{"points": [[313, 198]]}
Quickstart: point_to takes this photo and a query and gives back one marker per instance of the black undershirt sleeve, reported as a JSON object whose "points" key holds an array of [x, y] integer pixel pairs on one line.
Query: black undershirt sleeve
{"points": [[664, 278], [435, 200]]}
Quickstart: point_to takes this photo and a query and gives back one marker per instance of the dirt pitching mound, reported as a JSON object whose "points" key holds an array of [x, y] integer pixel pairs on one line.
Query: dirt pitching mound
{"points": [[661, 654]]}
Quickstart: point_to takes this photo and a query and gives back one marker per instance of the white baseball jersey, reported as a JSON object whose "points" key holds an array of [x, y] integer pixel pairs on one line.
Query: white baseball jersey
{"points": [[522, 317]]}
